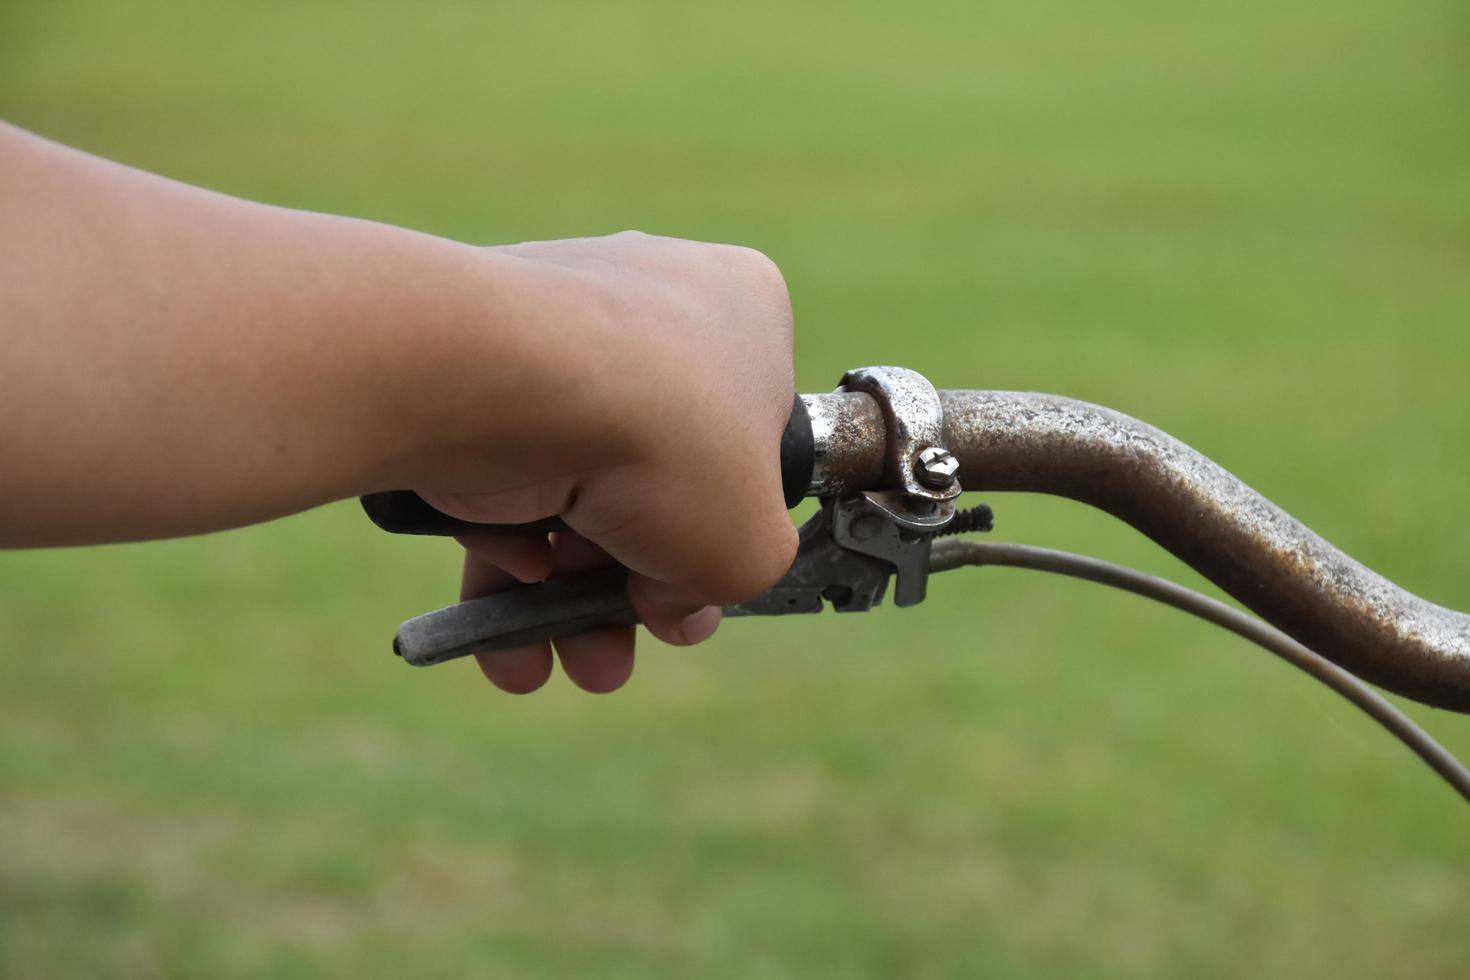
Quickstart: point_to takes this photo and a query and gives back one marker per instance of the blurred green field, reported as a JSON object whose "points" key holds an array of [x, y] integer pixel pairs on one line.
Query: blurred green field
{"points": [[1248, 223]]}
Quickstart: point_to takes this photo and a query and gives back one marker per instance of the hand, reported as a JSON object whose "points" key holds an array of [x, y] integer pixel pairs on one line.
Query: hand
{"points": [[663, 383], [179, 361]]}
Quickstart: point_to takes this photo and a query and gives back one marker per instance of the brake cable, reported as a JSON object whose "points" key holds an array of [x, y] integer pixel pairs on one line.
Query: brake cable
{"points": [[954, 553]]}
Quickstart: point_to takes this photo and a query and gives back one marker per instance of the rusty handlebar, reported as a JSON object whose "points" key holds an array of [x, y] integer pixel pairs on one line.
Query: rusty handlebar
{"points": [[1188, 504]]}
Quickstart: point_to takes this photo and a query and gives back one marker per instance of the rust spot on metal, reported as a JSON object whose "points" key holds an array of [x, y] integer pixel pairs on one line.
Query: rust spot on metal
{"points": [[848, 438]]}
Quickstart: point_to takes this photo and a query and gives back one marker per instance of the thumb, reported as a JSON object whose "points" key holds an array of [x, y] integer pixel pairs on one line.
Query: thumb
{"points": [[670, 613]]}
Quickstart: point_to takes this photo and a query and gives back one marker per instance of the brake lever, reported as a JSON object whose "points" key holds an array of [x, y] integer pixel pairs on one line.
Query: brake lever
{"points": [[846, 554]]}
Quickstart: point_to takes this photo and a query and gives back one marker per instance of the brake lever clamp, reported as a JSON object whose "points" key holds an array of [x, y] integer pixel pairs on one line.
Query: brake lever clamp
{"points": [[848, 550], [917, 464]]}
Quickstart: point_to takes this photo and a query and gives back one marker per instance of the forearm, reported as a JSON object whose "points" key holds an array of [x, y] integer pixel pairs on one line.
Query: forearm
{"points": [[178, 361]]}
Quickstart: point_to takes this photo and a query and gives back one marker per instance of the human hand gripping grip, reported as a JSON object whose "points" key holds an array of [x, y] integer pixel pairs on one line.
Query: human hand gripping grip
{"points": [[878, 518], [562, 606]]}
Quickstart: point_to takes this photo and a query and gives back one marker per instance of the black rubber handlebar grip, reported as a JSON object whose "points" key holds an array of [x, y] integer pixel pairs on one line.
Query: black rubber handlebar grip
{"points": [[405, 512]]}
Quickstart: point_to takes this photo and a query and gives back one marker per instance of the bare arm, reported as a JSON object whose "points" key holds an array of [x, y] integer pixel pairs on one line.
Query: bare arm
{"points": [[178, 361]]}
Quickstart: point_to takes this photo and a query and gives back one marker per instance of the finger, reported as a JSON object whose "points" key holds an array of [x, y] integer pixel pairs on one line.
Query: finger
{"points": [[602, 660], [527, 557], [517, 670], [670, 613], [598, 662], [536, 499]]}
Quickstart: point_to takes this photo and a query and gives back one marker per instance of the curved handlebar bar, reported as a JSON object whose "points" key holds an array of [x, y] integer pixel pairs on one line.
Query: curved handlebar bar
{"points": [[1190, 505]]}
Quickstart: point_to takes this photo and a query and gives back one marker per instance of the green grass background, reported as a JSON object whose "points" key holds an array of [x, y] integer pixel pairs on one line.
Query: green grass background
{"points": [[1248, 223]]}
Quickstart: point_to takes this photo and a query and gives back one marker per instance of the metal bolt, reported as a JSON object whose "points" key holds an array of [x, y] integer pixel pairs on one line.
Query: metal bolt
{"points": [[936, 468]]}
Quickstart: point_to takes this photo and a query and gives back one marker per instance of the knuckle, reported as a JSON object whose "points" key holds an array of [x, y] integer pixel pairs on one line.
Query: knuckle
{"points": [[768, 282], [760, 267]]}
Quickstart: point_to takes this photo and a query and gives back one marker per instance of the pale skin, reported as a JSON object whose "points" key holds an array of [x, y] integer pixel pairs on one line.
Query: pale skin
{"points": [[178, 361]]}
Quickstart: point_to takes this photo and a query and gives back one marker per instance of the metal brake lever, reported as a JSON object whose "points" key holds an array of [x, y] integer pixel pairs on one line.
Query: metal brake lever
{"points": [[846, 554], [848, 550]]}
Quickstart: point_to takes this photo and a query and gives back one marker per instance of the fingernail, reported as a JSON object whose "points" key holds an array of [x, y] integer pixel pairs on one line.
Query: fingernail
{"points": [[700, 626]]}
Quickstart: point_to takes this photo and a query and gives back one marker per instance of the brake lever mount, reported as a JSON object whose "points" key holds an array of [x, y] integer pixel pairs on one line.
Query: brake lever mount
{"points": [[849, 548]]}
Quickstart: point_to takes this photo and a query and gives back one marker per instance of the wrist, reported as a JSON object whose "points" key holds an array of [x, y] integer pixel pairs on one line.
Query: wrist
{"points": [[500, 371]]}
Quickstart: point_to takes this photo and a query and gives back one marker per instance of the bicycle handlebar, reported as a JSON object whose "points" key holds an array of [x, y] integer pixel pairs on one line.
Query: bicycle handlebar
{"points": [[1188, 504], [1185, 502]]}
